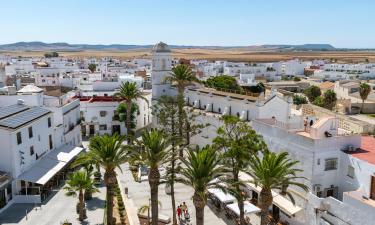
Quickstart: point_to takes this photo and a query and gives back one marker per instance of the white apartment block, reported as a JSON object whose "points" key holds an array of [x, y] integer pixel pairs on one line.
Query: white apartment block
{"points": [[291, 67], [100, 116]]}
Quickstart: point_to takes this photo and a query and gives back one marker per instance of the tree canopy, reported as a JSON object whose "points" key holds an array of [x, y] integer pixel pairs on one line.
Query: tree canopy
{"points": [[312, 92], [92, 67], [222, 81], [51, 54], [299, 100]]}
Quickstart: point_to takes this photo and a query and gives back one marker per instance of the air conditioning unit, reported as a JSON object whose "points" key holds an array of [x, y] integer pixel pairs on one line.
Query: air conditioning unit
{"points": [[317, 188]]}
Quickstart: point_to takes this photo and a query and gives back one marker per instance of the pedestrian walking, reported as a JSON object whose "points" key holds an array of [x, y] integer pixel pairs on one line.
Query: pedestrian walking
{"points": [[179, 212]]}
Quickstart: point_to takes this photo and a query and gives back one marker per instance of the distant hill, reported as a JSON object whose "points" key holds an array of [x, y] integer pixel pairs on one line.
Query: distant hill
{"points": [[306, 47], [61, 46]]}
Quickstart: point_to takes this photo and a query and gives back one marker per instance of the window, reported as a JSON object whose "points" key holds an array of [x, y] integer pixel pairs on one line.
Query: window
{"points": [[331, 164], [19, 138], [103, 127], [350, 172], [30, 132], [50, 142], [103, 113], [31, 150], [49, 122]]}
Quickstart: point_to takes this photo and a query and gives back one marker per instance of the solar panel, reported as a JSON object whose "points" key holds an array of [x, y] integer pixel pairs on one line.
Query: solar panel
{"points": [[12, 109], [23, 117]]}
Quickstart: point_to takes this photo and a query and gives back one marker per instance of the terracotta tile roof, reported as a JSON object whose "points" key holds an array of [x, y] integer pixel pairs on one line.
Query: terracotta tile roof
{"points": [[327, 85], [367, 151]]}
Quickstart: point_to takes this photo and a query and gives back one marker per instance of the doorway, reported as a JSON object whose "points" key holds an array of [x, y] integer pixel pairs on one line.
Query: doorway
{"points": [[92, 130]]}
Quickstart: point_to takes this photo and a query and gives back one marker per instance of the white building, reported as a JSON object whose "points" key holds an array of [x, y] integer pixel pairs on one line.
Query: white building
{"points": [[100, 115], [38, 144], [291, 67]]}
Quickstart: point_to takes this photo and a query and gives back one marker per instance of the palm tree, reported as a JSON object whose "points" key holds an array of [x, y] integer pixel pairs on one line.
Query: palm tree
{"points": [[109, 153], [80, 181], [129, 92], [364, 91], [201, 169], [182, 76], [145, 208], [152, 150], [273, 171]]}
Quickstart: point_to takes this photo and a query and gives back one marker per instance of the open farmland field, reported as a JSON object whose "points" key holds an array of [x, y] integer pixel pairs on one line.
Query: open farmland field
{"points": [[230, 54]]}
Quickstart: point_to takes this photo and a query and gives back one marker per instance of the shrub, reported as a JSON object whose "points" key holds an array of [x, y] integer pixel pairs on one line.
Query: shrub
{"points": [[299, 100]]}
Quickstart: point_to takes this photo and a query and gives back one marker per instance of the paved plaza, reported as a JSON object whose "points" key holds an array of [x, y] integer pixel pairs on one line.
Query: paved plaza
{"points": [[55, 210], [140, 194]]}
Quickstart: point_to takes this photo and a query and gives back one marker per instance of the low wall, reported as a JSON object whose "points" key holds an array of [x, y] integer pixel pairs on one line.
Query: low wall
{"points": [[367, 107], [130, 208]]}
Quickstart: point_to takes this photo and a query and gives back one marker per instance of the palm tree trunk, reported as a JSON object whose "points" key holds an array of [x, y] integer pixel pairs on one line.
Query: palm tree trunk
{"points": [[173, 162], [153, 179], [242, 211], [81, 206], [180, 103], [363, 104], [265, 201], [128, 120], [199, 209], [110, 180], [240, 198]]}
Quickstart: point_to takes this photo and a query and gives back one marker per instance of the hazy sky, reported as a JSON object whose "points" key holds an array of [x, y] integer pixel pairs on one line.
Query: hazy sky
{"points": [[342, 23]]}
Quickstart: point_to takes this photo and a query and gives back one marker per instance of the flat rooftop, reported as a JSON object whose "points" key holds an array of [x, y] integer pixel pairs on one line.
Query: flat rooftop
{"points": [[223, 93], [15, 116], [367, 150]]}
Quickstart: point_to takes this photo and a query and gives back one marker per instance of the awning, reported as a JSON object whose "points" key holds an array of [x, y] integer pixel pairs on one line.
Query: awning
{"points": [[285, 205], [280, 201], [223, 197], [248, 208], [47, 167]]}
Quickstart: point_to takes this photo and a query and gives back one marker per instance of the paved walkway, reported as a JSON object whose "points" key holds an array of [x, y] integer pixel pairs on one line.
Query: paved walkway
{"points": [[140, 194], [55, 210]]}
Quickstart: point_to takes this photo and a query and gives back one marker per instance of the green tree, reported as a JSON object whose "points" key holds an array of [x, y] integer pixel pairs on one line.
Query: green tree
{"points": [[152, 150], [92, 67], [51, 54], [299, 100], [329, 99], [166, 113], [122, 110], [201, 168], [239, 143], [146, 208], [129, 93], [259, 88], [223, 82], [296, 79], [274, 171], [181, 76], [319, 101], [364, 91], [80, 182], [312, 92], [109, 153]]}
